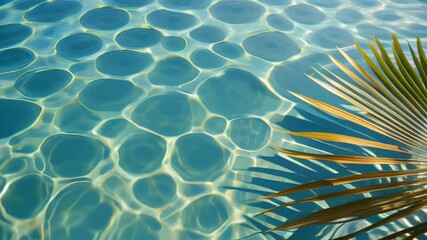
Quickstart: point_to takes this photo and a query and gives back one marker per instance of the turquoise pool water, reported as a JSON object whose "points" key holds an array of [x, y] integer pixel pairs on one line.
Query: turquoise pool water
{"points": [[136, 119]]}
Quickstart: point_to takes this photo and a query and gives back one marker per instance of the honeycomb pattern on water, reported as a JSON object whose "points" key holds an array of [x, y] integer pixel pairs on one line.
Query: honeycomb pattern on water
{"points": [[123, 119]]}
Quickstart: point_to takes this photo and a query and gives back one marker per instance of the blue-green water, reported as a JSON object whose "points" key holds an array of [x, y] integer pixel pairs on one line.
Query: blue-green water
{"points": [[129, 119]]}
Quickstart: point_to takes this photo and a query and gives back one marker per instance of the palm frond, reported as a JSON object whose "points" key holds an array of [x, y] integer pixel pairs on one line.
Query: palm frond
{"points": [[392, 96]]}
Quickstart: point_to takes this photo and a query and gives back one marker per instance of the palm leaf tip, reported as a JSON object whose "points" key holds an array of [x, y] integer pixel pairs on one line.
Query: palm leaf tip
{"points": [[391, 91]]}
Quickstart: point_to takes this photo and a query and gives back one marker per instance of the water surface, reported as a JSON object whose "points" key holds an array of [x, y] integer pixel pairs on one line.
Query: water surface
{"points": [[128, 119]]}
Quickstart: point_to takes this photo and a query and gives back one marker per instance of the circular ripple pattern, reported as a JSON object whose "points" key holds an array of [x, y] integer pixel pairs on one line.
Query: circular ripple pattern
{"points": [[125, 119], [204, 58], [249, 133], [13, 34], [123, 62], [60, 152], [15, 58], [305, 14], [53, 11], [129, 3], [173, 71], [155, 191], [109, 94], [106, 18], [170, 20], [23, 199], [10, 124], [237, 11], [236, 92], [206, 214], [208, 34], [228, 50], [199, 157], [79, 45], [169, 114], [142, 153], [138, 38], [174, 43], [185, 4], [43, 82], [271, 46]]}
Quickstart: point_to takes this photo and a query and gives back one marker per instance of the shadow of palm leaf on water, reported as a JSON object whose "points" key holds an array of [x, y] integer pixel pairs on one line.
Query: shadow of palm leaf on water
{"points": [[373, 156]]}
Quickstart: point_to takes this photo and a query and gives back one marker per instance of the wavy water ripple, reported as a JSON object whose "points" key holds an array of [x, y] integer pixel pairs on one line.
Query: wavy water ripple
{"points": [[132, 119]]}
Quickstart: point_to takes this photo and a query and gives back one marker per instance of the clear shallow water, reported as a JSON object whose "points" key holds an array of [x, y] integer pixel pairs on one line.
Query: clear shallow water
{"points": [[125, 119]]}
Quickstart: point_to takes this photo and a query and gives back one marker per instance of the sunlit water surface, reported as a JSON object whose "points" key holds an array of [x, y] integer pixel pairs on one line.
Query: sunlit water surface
{"points": [[130, 119]]}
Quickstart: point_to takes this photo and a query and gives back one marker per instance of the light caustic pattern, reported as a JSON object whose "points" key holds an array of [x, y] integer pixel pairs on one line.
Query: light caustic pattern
{"points": [[125, 119]]}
